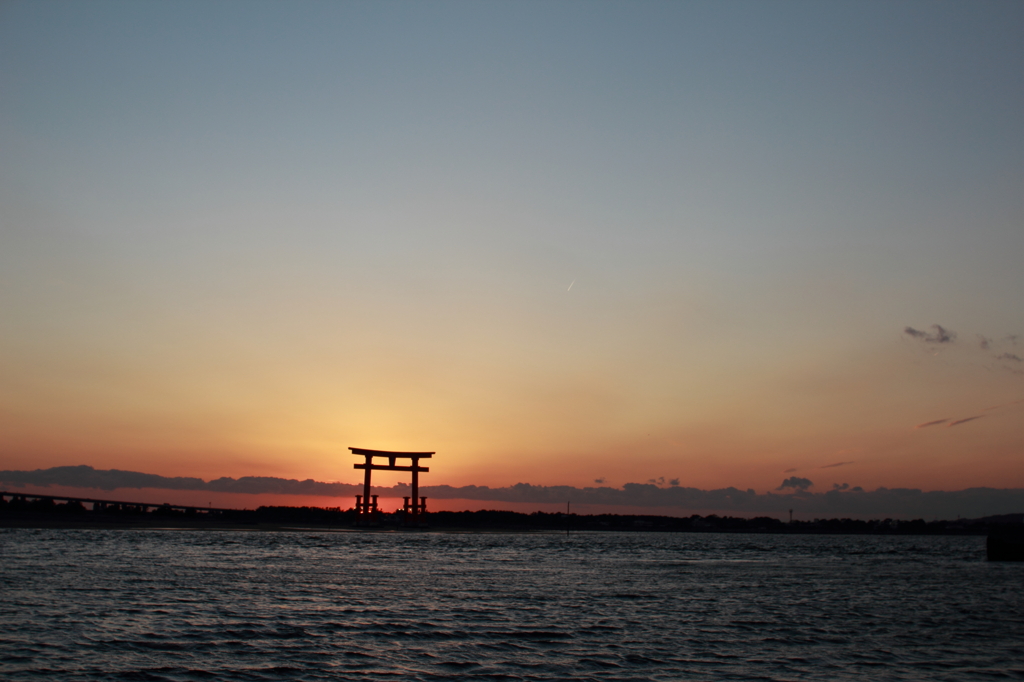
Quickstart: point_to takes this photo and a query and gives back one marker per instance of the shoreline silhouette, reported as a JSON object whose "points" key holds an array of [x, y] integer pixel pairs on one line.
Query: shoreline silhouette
{"points": [[26, 510]]}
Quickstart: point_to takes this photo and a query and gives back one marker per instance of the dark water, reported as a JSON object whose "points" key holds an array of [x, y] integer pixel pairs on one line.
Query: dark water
{"points": [[201, 605]]}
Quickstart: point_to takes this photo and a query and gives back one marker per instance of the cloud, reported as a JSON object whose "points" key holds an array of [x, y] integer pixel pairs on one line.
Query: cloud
{"points": [[86, 477], [789, 471], [939, 335], [836, 486], [674, 482], [833, 466], [994, 347], [599, 480], [880, 503], [964, 421], [934, 423], [796, 483]]}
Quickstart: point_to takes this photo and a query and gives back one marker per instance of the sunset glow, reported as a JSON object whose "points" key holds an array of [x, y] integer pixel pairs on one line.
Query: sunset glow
{"points": [[556, 243]]}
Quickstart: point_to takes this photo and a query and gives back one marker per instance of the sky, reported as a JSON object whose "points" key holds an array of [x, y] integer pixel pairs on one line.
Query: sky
{"points": [[559, 243]]}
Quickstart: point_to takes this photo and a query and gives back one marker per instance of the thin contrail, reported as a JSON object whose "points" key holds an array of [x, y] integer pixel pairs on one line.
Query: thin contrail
{"points": [[961, 421], [570, 286], [937, 421]]}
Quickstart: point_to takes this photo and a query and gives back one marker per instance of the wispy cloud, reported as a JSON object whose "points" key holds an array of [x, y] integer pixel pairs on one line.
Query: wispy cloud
{"points": [[789, 471], [997, 348], [837, 464], [939, 334], [964, 421], [994, 347], [967, 419], [996, 407]]}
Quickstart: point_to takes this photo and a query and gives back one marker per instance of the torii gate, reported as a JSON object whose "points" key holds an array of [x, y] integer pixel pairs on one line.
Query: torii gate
{"points": [[367, 510]]}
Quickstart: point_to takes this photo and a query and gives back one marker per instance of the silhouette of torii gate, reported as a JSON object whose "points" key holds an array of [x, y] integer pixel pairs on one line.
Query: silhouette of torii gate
{"points": [[366, 509]]}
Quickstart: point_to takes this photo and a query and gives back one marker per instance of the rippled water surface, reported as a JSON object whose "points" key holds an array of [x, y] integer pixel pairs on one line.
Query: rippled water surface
{"points": [[200, 605]]}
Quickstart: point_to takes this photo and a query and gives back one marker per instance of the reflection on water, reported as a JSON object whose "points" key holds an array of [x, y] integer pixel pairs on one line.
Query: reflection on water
{"points": [[191, 605]]}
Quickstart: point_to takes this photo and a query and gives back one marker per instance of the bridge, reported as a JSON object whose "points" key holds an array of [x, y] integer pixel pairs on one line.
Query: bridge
{"points": [[111, 506]]}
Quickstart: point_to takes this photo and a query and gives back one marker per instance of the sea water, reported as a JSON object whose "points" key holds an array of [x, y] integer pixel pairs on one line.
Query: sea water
{"points": [[310, 605]]}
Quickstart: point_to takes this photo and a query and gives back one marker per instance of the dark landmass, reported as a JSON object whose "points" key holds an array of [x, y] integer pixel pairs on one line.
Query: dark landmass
{"points": [[37, 511]]}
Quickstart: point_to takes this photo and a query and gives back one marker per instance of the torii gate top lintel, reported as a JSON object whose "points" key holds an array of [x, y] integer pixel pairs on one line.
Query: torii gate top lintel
{"points": [[391, 457], [388, 453]]}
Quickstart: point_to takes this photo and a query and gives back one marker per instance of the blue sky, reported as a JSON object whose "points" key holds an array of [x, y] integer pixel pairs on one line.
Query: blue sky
{"points": [[240, 237]]}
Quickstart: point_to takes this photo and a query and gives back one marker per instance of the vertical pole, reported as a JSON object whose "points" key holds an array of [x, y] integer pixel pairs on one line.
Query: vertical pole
{"points": [[415, 491], [366, 488]]}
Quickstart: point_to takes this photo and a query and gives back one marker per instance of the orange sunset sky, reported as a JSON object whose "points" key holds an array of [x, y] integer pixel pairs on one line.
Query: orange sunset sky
{"points": [[556, 242]]}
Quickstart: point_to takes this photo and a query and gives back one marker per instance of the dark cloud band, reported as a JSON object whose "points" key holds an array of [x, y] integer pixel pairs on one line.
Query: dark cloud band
{"points": [[973, 502]]}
